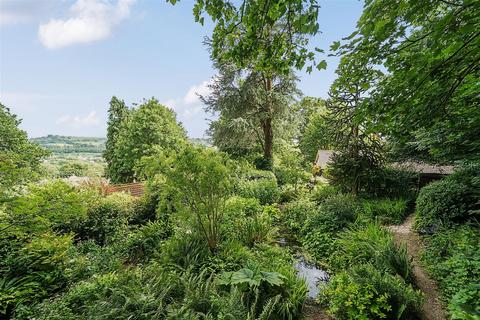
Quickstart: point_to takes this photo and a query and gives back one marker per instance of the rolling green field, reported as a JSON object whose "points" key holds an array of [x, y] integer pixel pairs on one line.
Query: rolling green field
{"points": [[75, 145], [73, 156]]}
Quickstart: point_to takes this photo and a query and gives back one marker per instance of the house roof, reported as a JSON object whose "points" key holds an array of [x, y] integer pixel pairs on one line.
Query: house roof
{"points": [[424, 168], [324, 156]]}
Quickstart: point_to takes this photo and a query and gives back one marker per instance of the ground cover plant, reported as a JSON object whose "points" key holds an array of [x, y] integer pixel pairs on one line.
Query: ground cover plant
{"points": [[452, 257]]}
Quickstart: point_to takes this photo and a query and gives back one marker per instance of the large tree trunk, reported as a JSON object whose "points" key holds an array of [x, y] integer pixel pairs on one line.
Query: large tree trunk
{"points": [[267, 125], [268, 136]]}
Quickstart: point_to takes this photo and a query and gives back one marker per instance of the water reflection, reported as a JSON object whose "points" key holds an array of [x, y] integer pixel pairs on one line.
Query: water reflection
{"points": [[312, 275]]}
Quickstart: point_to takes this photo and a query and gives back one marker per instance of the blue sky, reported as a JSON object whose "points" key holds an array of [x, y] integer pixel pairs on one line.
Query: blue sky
{"points": [[62, 60]]}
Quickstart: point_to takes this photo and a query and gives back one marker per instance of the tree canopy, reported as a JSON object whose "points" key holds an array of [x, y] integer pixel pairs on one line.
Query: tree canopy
{"points": [[263, 35], [239, 98], [428, 102], [150, 126], [117, 113], [268, 39], [19, 158]]}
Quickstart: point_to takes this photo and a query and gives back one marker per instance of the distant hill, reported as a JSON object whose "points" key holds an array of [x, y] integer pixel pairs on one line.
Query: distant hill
{"points": [[67, 144]]}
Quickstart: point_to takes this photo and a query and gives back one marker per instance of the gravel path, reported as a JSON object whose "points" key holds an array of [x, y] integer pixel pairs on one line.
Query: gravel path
{"points": [[432, 308]]}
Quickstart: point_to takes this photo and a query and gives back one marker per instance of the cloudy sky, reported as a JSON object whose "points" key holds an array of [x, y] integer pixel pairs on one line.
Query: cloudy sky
{"points": [[62, 60]]}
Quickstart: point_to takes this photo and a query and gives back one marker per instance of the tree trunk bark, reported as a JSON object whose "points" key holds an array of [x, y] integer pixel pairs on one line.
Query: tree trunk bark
{"points": [[356, 155], [268, 136], [267, 125]]}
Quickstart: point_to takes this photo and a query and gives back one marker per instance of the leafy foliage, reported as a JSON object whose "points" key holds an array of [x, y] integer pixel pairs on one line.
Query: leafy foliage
{"points": [[270, 37], [289, 167], [387, 211], [200, 181], [358, 148], [19, 158], [52, 206], [117, 113], [260, 185], [455, 198], [107, 219], [315, 133], [149, 127], [240, 99], [363, 292], [371, 244], [294, 215], [452, 257], [427, 104]]}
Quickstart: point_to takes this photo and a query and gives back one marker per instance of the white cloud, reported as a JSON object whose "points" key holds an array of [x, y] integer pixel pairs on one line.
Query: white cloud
{"points": [[191, 112], [171, 103], [193, 93], [90, 119], [190, 105], [91, 20]]}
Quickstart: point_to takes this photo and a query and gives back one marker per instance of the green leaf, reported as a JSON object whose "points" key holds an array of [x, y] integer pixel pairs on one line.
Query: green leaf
{"points": [[246, 276], [335, 46], [273, 278], [322, 65]]}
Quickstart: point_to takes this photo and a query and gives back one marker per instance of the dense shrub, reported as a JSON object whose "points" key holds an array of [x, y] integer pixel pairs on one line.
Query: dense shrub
{"points": [[145, 208], [335, 213], [289, 167], [107, 218], [454, 199], [33, 272], [246, 221], [53, 205], [141, 244], [187, 251], [322, 192], [363, 292], [264, 189], [453, 258], [35, 241], [392, 183], [241, 207], [289, 192], [87, 259], [320, 228], [371, 244], [294, 215], [387, 211], [440, 203], [117, 295], [351, 171], [256, 229], [319, 244]]}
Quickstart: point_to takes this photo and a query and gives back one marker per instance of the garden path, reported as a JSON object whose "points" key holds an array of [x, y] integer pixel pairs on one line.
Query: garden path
{"points": [[432, 308]]}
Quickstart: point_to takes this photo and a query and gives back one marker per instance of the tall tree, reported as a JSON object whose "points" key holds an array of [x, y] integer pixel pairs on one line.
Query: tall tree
{"points": [[117, 113], [429, 103], [146, 129], [358, 148], [267, 37], [19, 158], [238, 97]]}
